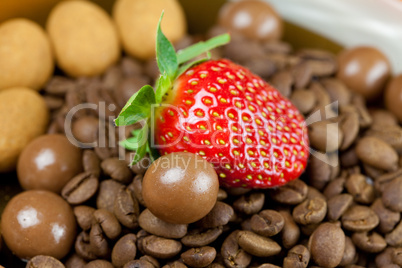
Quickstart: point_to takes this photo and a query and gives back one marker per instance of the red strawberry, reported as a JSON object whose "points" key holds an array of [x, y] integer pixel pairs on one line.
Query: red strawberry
{"points": [[219, 110], [232, 118]]}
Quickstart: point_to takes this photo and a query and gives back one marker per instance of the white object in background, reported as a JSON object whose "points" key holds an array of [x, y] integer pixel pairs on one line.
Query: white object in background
{"points": [[350, 23]]}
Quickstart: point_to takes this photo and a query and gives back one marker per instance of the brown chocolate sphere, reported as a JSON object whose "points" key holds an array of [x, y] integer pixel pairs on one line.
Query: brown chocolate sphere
{"points": [[38, 222], [180, 187], [393, 96], [85, 129], [48, 163], [253, 18], [364, 70]]}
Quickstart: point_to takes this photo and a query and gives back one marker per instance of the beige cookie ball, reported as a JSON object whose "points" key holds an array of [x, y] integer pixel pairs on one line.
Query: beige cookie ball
{"points": [[23, 117], [137, 21], [26, 57], [84, 38]]}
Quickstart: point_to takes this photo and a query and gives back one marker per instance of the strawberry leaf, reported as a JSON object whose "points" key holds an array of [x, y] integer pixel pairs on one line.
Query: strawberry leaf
{"points": [[165, 54], [183, 68], [137, 108], [137, 143], [163, 84], [197, 49]]}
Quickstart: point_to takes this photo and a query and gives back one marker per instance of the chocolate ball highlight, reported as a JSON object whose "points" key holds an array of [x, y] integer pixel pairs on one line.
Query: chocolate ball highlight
{"points": [[180, 187], [38, 223]]}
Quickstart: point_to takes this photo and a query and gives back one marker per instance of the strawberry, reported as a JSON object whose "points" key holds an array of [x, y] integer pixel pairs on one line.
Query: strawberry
{"points": [[219, 110]]}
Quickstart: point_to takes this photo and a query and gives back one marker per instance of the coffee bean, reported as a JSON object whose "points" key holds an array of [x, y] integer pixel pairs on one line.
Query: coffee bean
{"points": [[99, 264], [249, 204], [199, 257], [91, 163], [175, 264], [97, 240], [348, 158], [384, 258], [108, 190], [392, 195], [257, 245], [388, 218], [383, 180], [290, 232], [369, 242], [84, 216], [222, 194], [138, 264], [322, 63], [298, 256], [53, 102], [198, 238], [282, 81], [350, 252], [325, 136], [80, 188], [261, 66], [59, 85], [319, 172], [292, 193], [124, 250], [75, 261], [268, 265], [337, 90], [304, 100], [83, 248], [327, 245], [377, 153], [357, 186], [137, 188], [108, 222], [337, 205], [84, 130], [237, 191], [394, 238], [160, 247], [220, 215], [42, 261], [359, 219], [397, 256], [151, 260], [117, 170], [350, 127], [334, 187], [267, 223], [310, 211], [126, 208], [302, 75], [233, 256], [391, 135], [242, 50], [152, 224], [129, 86]]}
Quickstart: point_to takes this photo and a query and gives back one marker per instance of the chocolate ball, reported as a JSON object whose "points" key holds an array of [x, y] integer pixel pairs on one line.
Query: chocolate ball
{"points": [[48, 163], [85, 129], [253, 18], [364, 70], [180, 187], [393, 96], [38, 222]]}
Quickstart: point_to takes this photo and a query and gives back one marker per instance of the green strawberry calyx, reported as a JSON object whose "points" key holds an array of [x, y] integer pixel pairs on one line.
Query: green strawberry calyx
{"points": [[171, 65]]}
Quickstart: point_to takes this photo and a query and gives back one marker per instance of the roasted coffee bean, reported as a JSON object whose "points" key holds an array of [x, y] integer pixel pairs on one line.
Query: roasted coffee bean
{"points": [[391, 135], [108, 190], [357, 186], [84, 130], [160, 247], [249, 204], [59, 85], [257, 245], [52, 102], [388, 218], [382, 118], [397, 256], [325, 136], [117, 170], [243, 50], [220, 215], [304, 100], [136, 186], [350, 252], [130, 66], [198, 238], [337, 205], [322, 100], [199, 257], [233, 256], [359, 219], [152, 224], [151, 260], [298, 257], [394, 238], [337, 90], [282, 81], [128, 87], [334, 187], [261, 66], [377, 153], [348, 158], [292, 193], [308, 229], [321, 63], [359, 102], [384, 258], [350, 127], [369, 242], [392, 195], [290, 232], [267, 223], [98, 242], [138, 264], [310, 211], [91, 163], [222, 194], [175, 264], [108, 222], [319, 172], [237, 191], [84, 216], [80, 188], [126, 208], [83, 247], [75, 261], [302, 75], [124, 250], [42, 261], [99, 264], [327, 245], [267, 265], [112, 77]]}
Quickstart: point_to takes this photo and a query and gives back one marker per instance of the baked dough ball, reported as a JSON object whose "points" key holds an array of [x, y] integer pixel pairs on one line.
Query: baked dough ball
{"points": [[84, 38], [136, 21], [25, 55], [23, 117]]}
